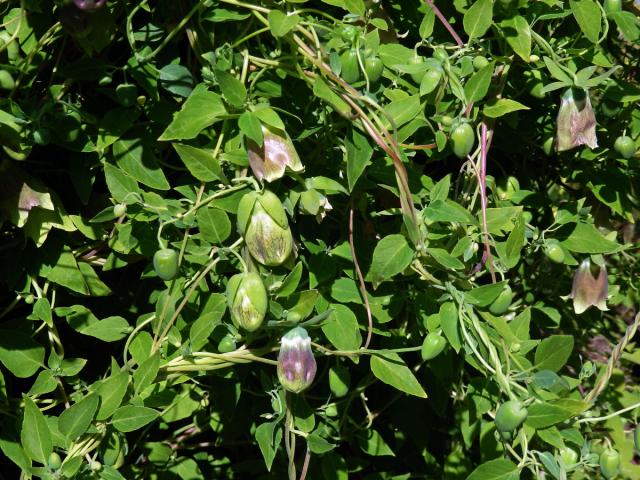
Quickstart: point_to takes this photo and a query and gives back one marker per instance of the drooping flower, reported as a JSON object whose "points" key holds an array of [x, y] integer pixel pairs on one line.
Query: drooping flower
{"points": [[588, 290], [296, 363], [89, 4], [276, 154], [263, 223], [576, 123], [247, 300]]}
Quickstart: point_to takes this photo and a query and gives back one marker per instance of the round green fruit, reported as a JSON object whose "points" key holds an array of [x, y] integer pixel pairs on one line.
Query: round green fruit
{"points": [[502, 302], [374, 67], [569, 456], [54, 462], [165, 263], [227, 344], [625, 146], [432, 346], [349, 33], [510, 415], [350, 70], [462, 140], [480, 62], [554, 252], [6, 80], [609, 463], [127, 94]]}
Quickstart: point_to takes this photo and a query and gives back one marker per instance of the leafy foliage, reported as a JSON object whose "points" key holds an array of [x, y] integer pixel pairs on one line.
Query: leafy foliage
{"points": [[183, 183]]}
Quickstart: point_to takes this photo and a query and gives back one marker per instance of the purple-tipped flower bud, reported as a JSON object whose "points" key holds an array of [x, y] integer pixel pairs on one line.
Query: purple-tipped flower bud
{"points": [[588, 290], [276, 154], [263, 223], [89, 4], [247, 299], [576, 123], [296, 363]]}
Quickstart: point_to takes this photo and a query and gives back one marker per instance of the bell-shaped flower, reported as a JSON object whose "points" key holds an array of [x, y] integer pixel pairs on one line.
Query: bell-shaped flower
{"points": [[263, 223], [296, 363], [247, 300], [576, 123], [276, 154], [588, 290]]}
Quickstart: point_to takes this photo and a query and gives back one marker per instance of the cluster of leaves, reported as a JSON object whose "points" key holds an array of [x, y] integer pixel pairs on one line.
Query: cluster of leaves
{"points": [[430, 207]]}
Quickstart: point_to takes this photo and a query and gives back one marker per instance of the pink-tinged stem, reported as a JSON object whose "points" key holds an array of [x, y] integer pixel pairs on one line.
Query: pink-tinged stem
{"points": [[444, 22], [483, 197]]}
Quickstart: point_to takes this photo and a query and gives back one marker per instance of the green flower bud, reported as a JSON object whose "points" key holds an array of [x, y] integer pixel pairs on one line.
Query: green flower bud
{"points": [[296, 363], [312, 202], [576, 123], [263, 223], [247, 299], [276, 154], [588, 290]]}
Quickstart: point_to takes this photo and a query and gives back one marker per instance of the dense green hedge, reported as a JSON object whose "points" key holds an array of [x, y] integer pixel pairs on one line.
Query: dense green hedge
{"points": [[319, 239]]}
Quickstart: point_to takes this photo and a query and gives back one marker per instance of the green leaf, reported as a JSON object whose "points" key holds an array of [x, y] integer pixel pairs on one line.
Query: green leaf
{"points": [[450, 324], [478, 18], [518, 34], [478, 85], [146, 373], [280, 23], [110, 329], [20, 353], [589, 17], [35, 434], [341, 328], [498, 469], [250, 125], [115, 123], [111, 392], [448, 211], [553, 352], [319, 445], [586, 238], [75, 420], [131, 417], [212, 313], [391, 369], [233, 90], [485, 294], [372, 443], [514, 245], [268, 436], [290, 282], [201, 163], [177, 79], [119, 183], [628, 24], [358, 156], [502, 106], [444, 258], [390, 257], [137, 160], [200, 110], [401, 111], [214, 225], [545, 414]]}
